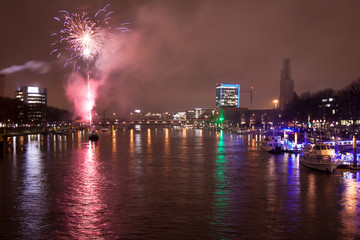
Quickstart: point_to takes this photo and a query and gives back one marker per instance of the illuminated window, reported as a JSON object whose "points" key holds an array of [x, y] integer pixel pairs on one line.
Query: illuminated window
{"points": [[33, 90]]}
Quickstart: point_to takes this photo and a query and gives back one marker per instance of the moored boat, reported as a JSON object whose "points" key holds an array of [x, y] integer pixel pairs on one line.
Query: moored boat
{"points": [[320, 157], [272, 144]]}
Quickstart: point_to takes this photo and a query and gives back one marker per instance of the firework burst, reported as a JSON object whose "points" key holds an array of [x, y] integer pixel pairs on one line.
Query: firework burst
{"points": [[81, 38]]}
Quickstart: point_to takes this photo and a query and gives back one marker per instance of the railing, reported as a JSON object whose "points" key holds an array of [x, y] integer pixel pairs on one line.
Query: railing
{"points": [[320, 159], [342, 142]]}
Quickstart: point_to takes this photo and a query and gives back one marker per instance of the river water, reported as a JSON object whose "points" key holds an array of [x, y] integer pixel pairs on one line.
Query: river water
{"points": [[169, 183]]}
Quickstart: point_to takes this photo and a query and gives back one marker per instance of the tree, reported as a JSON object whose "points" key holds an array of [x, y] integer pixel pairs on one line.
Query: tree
{"points": [[349, 103], [8, 110], [349, 108], [311, 107]]}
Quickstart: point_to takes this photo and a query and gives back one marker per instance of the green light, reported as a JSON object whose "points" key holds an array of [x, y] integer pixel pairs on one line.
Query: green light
{"points": [[221, 117], [221, 192]]}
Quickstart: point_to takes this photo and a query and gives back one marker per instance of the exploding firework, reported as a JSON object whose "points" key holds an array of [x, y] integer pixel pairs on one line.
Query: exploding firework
{"points": [[81, 37]]}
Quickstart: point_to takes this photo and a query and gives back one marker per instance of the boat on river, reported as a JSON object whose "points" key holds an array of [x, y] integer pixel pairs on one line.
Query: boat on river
{"points": [[272, 144], [319, 156], [93, 136]]}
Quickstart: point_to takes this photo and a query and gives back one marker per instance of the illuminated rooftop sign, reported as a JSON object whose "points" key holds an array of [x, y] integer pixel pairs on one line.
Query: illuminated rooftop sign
{"points": [[33, 90]]}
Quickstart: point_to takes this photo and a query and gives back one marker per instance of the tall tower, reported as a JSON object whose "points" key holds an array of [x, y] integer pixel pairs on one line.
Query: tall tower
{"points": [[2, 85], [286, 85]]}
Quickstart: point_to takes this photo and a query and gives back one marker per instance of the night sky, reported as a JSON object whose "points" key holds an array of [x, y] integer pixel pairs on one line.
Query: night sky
{"points": [[178, 50]]}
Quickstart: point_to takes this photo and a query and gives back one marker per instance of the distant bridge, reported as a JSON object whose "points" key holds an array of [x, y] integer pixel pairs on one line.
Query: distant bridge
{"points": [[343, 142]]}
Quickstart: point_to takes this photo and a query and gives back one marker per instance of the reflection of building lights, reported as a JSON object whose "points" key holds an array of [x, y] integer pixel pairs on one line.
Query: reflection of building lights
{"points": [[149, 137], [220, 201], [33, 191], [166, 142], [131, 148], [114, 141], [311, 197], [350, 202]]}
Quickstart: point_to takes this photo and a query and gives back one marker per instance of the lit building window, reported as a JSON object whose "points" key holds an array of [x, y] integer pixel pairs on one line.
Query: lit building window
{"points": [[227, 95], [34, 104]]}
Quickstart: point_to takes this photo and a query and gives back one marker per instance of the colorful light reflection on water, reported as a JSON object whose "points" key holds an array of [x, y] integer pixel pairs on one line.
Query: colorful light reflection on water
{"points": [[220, 192], [165, 183], [82, 201]]}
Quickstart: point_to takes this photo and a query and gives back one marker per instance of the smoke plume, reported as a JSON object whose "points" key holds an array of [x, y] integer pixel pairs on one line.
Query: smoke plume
{"points": [[177, 51], [33, 65], [77, 92]]}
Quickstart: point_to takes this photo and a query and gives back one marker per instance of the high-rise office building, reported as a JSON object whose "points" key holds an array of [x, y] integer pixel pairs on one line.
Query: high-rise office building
{"points": [[286, 85], [227, 95], [32, 104], [2, 85]]}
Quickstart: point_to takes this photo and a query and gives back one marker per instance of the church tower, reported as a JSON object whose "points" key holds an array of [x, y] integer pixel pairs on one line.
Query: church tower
{"points": [[286, 85]]}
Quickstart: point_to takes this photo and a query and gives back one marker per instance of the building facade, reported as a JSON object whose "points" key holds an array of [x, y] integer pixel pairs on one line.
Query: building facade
{"points": [[227, 95], [200, 114], [32, 105], [286, 85], [2, 85]]}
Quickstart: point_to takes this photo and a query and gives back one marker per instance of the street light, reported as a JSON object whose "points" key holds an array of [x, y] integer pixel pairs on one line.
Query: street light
{"points": [[276, 103]]}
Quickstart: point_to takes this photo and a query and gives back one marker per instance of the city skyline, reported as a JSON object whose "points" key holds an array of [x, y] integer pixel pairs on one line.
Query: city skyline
{"points": [[178, 51]]}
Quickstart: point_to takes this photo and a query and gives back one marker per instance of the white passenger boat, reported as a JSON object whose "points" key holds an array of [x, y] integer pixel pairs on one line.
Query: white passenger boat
{"points": [[320, 157], [272, 144]]}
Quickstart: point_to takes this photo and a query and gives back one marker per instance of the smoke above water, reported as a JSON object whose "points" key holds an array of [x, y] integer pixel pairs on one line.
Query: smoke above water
{"points": [[77, 92], [33, 65]]}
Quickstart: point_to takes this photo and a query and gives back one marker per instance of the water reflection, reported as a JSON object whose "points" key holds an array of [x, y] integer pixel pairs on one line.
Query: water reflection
{"points": [[220, 194], [184, 147], [131, 143], [311, 195], [136, 163], [199, 184], [166, 143], [114, 147], [271, 184], [350, 202], [198, 132], [253, 141], [292, 207], [82, 203], [33, 192], [166, 158]]}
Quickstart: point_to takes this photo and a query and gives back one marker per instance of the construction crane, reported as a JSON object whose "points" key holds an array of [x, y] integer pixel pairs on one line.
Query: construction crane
{"points": [[251, 94]]}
